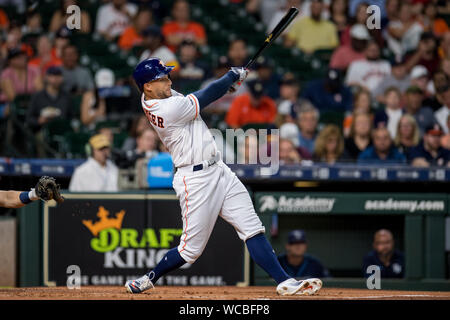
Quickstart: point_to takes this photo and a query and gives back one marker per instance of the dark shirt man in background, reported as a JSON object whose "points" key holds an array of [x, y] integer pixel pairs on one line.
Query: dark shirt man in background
{"points": [[296, 262], [430, 152], [390, 261], [382, 151], [49, 103]]}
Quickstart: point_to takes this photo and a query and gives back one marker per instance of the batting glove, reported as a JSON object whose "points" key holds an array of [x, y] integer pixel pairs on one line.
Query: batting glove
{"points": [[242, 73]]}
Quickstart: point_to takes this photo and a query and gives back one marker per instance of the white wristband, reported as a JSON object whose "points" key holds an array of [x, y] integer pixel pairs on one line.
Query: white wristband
{"points": [[32, 195]]}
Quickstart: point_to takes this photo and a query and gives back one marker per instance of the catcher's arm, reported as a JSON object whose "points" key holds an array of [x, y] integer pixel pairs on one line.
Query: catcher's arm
{"points": [[46, 189], [10, 199]]}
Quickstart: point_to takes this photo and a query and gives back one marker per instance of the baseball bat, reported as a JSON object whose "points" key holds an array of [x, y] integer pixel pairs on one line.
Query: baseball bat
{"points": [[279, 28]]}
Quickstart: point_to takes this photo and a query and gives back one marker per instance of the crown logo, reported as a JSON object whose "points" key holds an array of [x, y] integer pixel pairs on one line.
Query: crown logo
{"points": [[104, 222]]}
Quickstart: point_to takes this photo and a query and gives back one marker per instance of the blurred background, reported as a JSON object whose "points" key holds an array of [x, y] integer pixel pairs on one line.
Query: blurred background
{"points": [[361, 98]]}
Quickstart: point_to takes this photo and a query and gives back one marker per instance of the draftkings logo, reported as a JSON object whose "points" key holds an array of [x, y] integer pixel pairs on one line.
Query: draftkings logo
{"points": [[128, 247]]}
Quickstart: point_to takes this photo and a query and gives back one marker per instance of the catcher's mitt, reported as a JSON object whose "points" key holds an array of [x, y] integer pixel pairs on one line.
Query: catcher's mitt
{"points": [[47, 189]]}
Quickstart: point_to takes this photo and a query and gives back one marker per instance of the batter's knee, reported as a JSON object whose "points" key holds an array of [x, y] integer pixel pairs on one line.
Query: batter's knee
{"points": [[188, 254]]}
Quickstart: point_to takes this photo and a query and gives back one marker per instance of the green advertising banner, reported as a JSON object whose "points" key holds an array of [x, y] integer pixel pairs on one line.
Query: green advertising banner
{"points": [[350, 203]]}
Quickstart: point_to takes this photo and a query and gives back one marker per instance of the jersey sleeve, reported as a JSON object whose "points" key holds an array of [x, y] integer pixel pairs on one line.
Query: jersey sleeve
{"points": [[183, 109]]}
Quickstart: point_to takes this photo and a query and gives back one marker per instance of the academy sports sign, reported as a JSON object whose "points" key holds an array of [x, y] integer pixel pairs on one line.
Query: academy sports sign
{"points": [[286, 204], [349, 203]]}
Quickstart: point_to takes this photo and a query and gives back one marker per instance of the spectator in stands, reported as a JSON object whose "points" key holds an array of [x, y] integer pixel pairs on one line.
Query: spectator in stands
{"points": [[289, 131], [390, 116], [4, 21], [45, 57], [62, 40], [93, 103], [19, 78], [361, 104], [403, 35], [139, 124], [430, 152], [359, 139], [444, 47], [114, 17], [289, 100], [270, 79], [419, 78], [182, 28], [313, 33], [49, 103], [296, 262], [414, 106], [146, 144], [221, 105], [33, 25], [437, 87], [252, 108], [385, 256], [132, 35], [382, 151], [369, 72], [306, 133], [445, 140], [442, 114], [339, 15], [398, 78], [192, 70], [288, 152], [432, 23], [153, 41], [59, 18], [408, 134], [77, 79], [13, 41], [329, 94], [424, 54], [98, 173], [346, 54], [329, 146], [445, 66], [237, 52]]}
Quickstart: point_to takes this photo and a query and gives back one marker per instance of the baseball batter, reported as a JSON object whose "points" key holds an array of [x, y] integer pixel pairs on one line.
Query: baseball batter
{"points": [[204, 184]]}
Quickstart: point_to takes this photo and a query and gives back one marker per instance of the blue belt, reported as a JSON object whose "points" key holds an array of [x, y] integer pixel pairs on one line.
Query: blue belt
{"points": [[210, 162]]}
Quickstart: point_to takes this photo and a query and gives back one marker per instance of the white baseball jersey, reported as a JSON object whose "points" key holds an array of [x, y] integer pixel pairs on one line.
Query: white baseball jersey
{"points": [[203, 194], [181, 129]]}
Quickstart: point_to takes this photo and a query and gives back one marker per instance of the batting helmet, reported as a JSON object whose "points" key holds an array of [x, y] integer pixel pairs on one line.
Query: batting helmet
{"points": [[149, 70]]}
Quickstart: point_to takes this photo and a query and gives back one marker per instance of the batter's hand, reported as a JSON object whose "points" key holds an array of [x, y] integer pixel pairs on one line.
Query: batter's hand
{"points": [[242, 73], [47, 189]]}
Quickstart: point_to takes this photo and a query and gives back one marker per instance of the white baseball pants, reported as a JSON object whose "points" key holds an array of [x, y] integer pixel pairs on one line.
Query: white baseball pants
{"points": [[206, 194]]}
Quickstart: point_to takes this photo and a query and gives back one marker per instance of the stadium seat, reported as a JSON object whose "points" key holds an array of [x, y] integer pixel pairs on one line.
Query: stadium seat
{"points": [[54, 132], [75, 144]]}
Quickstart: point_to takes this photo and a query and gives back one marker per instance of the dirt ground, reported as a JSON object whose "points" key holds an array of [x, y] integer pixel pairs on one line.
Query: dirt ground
{"points": [[209, 293]]}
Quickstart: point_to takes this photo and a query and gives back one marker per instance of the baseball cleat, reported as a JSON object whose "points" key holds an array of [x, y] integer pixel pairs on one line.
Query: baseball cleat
{"points": [[139, 285], [315, 285], [291, 287]]}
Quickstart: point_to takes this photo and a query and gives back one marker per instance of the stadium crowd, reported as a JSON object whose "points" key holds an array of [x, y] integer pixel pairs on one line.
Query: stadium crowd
{"points": [[383, 98]]}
